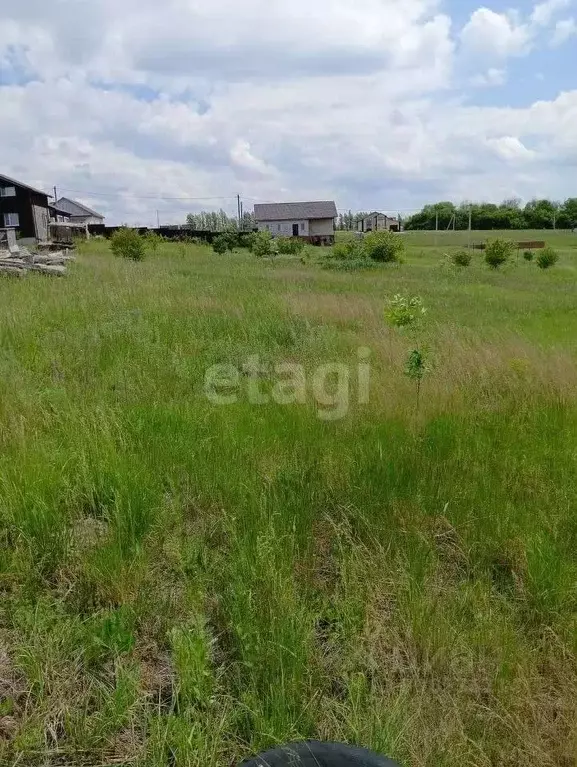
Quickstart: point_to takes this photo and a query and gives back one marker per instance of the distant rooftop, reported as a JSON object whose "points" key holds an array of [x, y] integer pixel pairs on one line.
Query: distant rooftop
{"points": [[58, 210], [74, 208], [378, 213], [286, 211]]}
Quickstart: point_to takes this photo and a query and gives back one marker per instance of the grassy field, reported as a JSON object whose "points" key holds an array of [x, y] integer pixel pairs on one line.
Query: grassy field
{"points": [[560, 239], [184, 583], [448, 239]]}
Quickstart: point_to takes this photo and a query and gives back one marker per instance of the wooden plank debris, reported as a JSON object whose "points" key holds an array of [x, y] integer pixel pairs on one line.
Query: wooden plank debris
{"points": [[19, 261]]}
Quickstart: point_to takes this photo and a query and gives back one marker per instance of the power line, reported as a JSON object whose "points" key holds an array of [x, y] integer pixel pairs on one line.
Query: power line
{"points": [[143, 197], [92, 193]]}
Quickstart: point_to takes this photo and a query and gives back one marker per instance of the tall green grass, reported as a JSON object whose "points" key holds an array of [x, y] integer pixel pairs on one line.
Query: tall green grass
{"points": [[186, 584]]}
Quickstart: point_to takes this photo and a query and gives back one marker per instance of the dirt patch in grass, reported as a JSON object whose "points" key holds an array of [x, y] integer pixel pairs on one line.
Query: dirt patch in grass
{"points": [[156, 674], [13, 693]]}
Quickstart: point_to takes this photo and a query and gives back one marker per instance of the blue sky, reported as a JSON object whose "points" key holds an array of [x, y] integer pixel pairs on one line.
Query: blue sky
{"points": [[137, 106]]}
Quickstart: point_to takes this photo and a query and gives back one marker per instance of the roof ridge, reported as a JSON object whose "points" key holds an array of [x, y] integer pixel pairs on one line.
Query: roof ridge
{"points": [[82, 207], [312, 209], [21, 183]]}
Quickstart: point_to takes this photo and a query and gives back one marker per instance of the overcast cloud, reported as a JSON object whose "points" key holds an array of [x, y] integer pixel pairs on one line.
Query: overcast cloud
{"points": [[382, 104]]}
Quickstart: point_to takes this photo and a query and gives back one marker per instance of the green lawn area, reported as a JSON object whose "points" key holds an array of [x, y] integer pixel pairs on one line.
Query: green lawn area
{"points": [[185, 583], [559, 239]]}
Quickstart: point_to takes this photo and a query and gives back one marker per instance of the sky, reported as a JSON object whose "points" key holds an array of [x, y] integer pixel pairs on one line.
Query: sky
{"points": [[149, 110]]}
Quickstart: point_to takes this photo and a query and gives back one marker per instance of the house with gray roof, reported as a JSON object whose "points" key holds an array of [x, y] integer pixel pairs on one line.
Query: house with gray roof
{"points": [[312, 221], [79, 213]]}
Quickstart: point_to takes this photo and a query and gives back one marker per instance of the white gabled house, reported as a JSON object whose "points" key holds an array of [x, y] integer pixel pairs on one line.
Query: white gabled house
{"points": [[312, 221]]}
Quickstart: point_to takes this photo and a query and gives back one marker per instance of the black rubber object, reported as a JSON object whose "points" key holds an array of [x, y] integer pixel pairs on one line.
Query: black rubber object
{"points": [[313, 753]]}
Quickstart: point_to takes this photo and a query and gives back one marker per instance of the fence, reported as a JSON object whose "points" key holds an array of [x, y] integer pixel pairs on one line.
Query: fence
{"points": [[181, 233]]}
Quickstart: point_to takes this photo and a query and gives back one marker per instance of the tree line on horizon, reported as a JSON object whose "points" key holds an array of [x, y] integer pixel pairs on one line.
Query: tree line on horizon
{"points": [[219, 221], [510, 214]]}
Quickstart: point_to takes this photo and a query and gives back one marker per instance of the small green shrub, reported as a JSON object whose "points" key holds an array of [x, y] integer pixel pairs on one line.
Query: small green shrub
{"points": [[349, 250], [127, 243], [220, 245], [415, 369], [262, 245], [498, 252], [528, 255], [386, 247], [225, 241], [290, 246], [446, 263], [247, 240], [403, 311], [547, 258], [153, 240], [462, 258]]}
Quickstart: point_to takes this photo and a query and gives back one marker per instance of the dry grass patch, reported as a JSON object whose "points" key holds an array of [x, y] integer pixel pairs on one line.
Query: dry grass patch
{"points": [[337, 308]]}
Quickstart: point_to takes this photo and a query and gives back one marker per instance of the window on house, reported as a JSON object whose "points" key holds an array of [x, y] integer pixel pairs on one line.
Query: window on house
{"points": [[278, 227], [7, 191], [302, 226], [11, 219]]}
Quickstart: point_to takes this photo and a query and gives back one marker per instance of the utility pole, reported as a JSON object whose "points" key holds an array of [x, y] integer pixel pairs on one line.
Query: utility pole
{"points": [[470, 223], [437, 228], [158, 219], [555, 221], [239, 210], [241, 216]]}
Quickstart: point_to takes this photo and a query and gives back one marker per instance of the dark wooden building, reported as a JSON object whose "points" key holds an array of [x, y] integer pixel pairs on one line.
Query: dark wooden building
{"points": [[24, 209]]}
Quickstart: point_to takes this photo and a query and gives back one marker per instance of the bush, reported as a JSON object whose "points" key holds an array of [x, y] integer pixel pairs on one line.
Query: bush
{"points": [[246, 240], [220, 245], [224, 242], [403, 311], [127, 243], [262, 245], [349, 250], [290, 246], [498, 253], [462, 258], [528, 255], [153, 240], [385, 247], [547, 257]]}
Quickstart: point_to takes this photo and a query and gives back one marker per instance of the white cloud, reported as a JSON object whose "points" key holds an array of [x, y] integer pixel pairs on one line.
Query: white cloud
{"points": [[495, 34], [564, 30], [188, 41], [491, 78], [501, 35], [186, 100], [242, 156], [543, 13], [510, 148]]}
